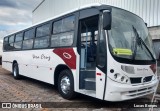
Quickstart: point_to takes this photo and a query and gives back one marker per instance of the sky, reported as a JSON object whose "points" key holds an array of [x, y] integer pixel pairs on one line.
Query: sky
{"points": [[15, 15]]}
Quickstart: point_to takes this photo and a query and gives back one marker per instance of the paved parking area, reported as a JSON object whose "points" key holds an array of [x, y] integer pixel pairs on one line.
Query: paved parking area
{"points": [[29, 90]]}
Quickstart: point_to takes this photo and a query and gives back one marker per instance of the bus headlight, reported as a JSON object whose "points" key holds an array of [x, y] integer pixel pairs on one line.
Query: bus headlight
{"points": [[121, 78], [115, 76]]}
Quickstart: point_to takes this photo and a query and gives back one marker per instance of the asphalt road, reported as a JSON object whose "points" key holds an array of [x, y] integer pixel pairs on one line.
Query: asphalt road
{"points": [[33, 91]]}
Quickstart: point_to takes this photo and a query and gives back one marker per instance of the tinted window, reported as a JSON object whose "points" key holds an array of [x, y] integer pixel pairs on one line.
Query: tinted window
{"points": [[28, 44], [68, 24], [17, 45], [6, 40], [63, 39], [55, 41], [9, 46], [41, 42], [19, 37], [29, 34], [43, 30], [66, 39], [6, 47], [57, 27], [11, 39]]}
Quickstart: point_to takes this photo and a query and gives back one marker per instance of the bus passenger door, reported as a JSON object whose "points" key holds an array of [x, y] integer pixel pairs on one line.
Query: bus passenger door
{"points": [[88, 46], [92, 50], [101, 63]]}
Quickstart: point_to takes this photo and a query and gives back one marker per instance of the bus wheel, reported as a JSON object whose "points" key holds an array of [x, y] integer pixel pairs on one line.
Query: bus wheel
{"points": [[16, 71], [66, 84]]}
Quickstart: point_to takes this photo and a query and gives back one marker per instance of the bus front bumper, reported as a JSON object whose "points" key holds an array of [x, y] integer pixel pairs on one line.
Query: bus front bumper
{"points": [[118, 92]]}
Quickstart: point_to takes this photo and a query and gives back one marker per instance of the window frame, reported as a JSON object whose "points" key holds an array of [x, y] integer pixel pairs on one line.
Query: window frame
{"points": [[49, 35], [42, 47], [59, 37], [41, 25], [50, 22], [34, 32], [7, 39], [17, 42], [5, 43], [62, 32], [22, 32], [64, 25], [28, 40], [32, 28], [13, 35], [52, 33]]}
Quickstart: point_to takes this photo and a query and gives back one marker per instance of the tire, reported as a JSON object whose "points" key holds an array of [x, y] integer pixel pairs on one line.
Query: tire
{"points": [[66, 84], [15, 71]]}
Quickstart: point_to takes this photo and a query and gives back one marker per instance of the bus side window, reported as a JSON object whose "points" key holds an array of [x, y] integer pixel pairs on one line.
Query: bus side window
{"points": [[18, 41], [17, 45], [11, 39], [43, 30], [57, 27], [68, 24], [42, 42], [28, 39], [10, 46], [42, 36], [19, 37], [63, 32], [27, 44], [5, 44], [29, 34]]}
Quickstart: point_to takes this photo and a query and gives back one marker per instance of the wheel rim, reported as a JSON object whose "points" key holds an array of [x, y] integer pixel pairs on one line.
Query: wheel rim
{"points": [[15, 71], [65, 84]]}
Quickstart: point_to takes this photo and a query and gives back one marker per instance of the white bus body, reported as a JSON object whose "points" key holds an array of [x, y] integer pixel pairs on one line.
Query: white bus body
{"points": [[66, 56]]}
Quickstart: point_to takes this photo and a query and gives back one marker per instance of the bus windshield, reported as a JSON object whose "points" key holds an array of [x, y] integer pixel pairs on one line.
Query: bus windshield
{"points": [[129, 37]]}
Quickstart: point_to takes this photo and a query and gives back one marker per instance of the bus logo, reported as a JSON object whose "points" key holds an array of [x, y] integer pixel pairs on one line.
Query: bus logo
{"points": [[66, 55]]}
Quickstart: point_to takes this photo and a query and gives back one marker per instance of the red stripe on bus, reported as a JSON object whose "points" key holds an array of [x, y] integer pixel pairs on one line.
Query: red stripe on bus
{"points": [[98, 74], [67, 55]]}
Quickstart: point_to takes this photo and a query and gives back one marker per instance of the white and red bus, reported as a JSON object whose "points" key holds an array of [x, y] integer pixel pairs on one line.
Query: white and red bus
{"points": [[100, 51]]}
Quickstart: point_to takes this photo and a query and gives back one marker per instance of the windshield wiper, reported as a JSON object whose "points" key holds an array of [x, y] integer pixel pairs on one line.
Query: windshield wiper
{"points": [[139, 42]]}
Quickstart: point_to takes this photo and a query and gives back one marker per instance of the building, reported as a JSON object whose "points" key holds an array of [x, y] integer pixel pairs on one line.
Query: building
{"points": [[149, 10]]}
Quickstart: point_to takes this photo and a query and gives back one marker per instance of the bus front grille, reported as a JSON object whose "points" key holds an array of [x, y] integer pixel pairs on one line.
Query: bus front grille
{"points": [[140, 92], [136, 80], [149, 78], [140, 80]]}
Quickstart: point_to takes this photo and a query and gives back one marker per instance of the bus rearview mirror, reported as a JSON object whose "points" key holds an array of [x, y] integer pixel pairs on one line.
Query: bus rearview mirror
{"points": [[107, 20]]}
